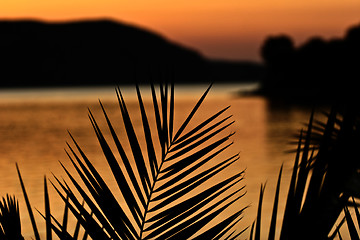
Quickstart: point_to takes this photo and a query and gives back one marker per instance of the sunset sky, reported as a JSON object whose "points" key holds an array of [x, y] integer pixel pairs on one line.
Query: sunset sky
{"points": [[227, 29]]}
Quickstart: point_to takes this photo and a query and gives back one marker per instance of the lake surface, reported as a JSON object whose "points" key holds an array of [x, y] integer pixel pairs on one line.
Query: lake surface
{"points": [[34, 125]]}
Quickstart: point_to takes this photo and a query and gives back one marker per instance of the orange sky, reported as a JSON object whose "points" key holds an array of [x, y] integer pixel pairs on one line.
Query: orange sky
{"points": [[229, 29]]}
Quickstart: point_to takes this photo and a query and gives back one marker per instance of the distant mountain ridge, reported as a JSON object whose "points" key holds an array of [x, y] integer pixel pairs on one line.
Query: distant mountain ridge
{"points": [[101, 52]]}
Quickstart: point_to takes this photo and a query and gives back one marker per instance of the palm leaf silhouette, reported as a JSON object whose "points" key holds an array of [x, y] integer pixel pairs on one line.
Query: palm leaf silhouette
{"points": [[10, 226], [325, 177], [164, 186]]}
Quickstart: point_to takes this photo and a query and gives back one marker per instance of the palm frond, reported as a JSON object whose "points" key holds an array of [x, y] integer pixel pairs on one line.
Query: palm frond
{"points": [[325, 176], [47, 211], [275, 208], [28, 205], [10, 225], [51, 224], [351, 225], [257, 223], [166, 194]]}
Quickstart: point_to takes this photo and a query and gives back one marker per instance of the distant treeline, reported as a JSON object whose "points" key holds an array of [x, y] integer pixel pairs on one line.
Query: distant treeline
{"points": [[317, 69], [103, 52]]}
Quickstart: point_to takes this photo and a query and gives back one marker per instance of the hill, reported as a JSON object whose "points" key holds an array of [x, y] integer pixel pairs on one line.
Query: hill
{"points": [[102, 52]]}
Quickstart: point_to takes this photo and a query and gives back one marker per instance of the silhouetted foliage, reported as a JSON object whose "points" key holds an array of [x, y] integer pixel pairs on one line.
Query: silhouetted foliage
{"points": [[10, 226], [324, 181], [321, 70], [278, 53], [324, 184], [277, 49], [165, 190]]}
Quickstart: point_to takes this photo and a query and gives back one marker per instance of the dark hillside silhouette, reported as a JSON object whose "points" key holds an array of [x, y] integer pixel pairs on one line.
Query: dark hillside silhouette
{"points": [[319, 70], [98, 52]]}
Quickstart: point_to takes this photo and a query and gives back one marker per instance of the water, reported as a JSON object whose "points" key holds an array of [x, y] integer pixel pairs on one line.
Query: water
{"points": [[34, 125]]}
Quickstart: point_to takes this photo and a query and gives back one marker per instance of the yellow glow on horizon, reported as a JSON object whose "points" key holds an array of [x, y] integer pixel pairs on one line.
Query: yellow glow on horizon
{"points": [[207, 25]]}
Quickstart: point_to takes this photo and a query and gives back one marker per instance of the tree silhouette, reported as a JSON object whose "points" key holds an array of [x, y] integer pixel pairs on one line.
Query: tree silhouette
{"points": [[277, 53], [319, 69]]}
